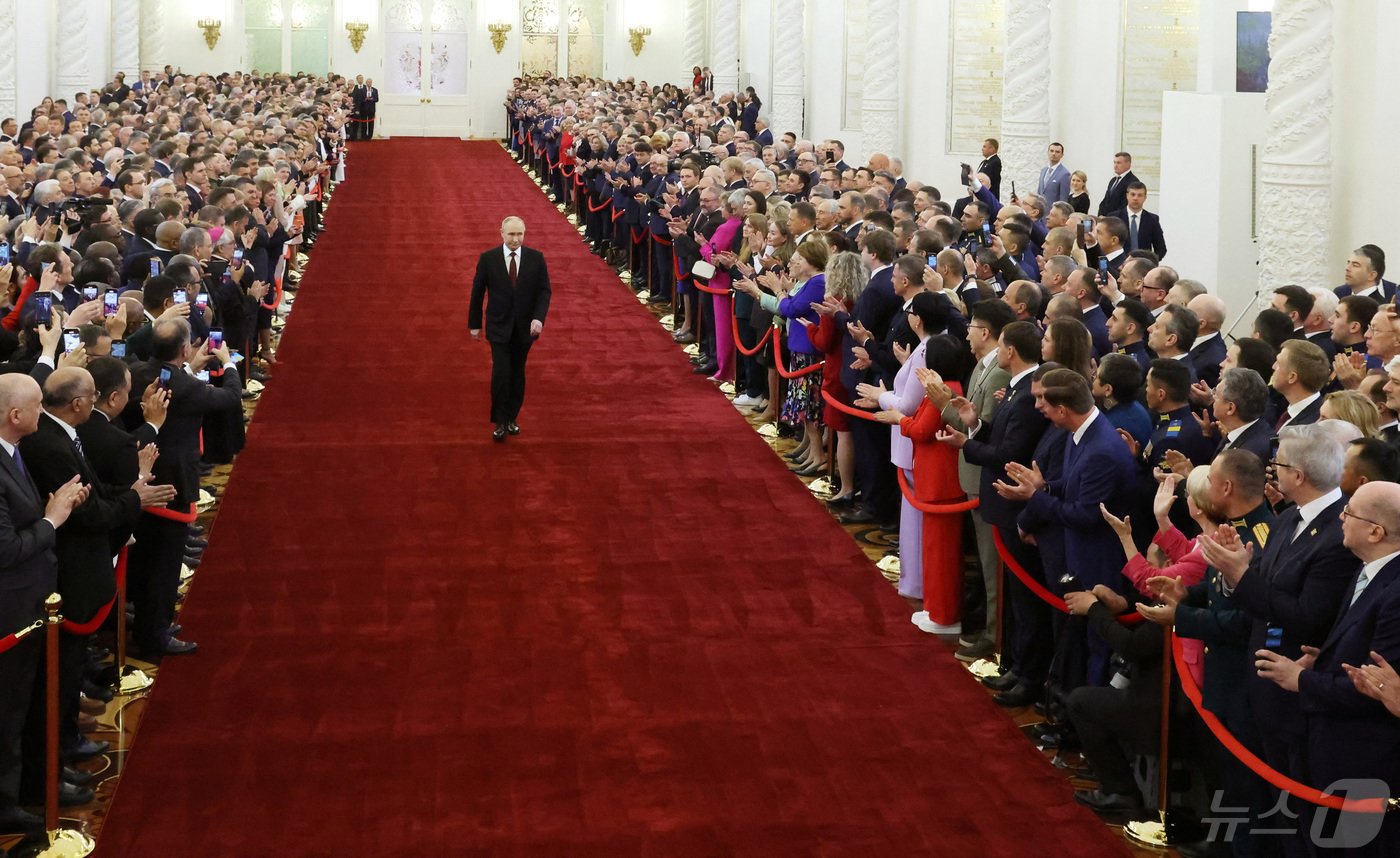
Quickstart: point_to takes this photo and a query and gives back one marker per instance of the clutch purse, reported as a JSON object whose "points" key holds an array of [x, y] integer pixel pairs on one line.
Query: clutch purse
{"points": [[702, 269]]}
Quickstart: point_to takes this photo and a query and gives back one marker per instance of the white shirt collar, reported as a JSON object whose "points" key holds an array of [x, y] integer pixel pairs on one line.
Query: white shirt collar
{"points": [[1313, 508], [1234, 434], [881, 268], [506, 252], [1204, 338], [71, 432], [8, 447], [1370, 570], [1083, 427], [1022, 374], [1297, 408], [990, 360]]}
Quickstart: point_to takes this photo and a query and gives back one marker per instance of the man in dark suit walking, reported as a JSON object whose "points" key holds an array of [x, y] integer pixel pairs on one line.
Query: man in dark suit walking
{"points": [[28, 574], [367, 110], [991, 165], [516, 280], [357, 106], [1115, 196]]}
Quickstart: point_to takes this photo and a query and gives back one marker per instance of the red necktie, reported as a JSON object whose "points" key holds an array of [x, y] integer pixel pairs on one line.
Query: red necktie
{"points": [[513, 271]]}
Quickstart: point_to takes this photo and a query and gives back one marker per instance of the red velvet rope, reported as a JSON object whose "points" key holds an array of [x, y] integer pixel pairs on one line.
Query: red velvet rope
{"points": [[9, 641], [617, 213], [1129, 619], [607, 201], [637, 235], [846, 409], [932, 508], [91, 626], [734, 322], [782, 364], [705, 287], [659, 240], [676, 263], [1256, 765], [172, 514]]}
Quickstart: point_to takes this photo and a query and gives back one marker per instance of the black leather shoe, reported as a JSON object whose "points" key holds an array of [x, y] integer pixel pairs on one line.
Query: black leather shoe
{"points": [[17, 820], [512, 429], [499, 433], [86, 750], [857, 516], [1106, 802], [840, 501], [77, 777], [1020, 695], [705, 369], [73, 796], [1002, 682], [94, 691], [192, 560], [175, 646]]}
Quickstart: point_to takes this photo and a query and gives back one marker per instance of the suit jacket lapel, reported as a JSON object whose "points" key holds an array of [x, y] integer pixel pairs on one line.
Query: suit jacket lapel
{"points": [[18, 476], [1350, 613]]}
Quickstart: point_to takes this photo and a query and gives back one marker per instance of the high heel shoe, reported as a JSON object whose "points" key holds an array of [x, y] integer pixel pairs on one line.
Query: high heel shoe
{"points": [[812, 470]]}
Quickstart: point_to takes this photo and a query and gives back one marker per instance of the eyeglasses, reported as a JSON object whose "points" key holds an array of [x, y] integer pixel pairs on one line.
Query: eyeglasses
{"points": [[1347, 513], [1277, 464]]}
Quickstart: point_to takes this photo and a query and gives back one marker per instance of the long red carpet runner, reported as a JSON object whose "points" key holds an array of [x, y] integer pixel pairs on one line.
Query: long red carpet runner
{"points": [[628, 631]]}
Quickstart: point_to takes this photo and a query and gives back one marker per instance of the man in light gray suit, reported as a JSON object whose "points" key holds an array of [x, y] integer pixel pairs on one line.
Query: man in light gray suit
{"points": [[983, 331], [1054, 177]]}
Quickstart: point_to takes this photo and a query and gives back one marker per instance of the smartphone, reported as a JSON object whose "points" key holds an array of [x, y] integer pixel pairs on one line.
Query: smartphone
{"points": [[966, 175], [165, 373], [4, 253], [238, 258], [1273, 638], [155, 265], [202, 375], [89, 293], [1013, 187], [216, 339], [1079, 233], [1103, 269], [71, 340], [986, 234], [110, 301], [118, 348], [201, 300], [180, 296], [933, 261], [43, 309]]}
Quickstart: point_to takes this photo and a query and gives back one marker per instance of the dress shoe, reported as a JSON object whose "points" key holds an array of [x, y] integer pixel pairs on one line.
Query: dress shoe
{"points": [[658, 299], [1002, 682], [192, 560], [1020, 695], [706, 369], [96, 692], [1107, 802], [685, 339], [77, 777], [73, 796], [91, 706], [812, 470], [174, 630], [16, 820], [857, 516], [196, 542], [512, 428], [840, 501], [499, 433], [976, 651], [175, 646], [87, 723], [85, 750]]}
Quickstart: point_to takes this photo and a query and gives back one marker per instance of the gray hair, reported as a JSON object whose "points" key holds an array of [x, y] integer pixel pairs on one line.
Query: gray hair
{"points": [[192, 239], [1035, 200], [1247, 390], [1063, 208], [735, 201], [1316, 453], [47, 191], [1324, 301], [1342, 431], [1061, 265]]}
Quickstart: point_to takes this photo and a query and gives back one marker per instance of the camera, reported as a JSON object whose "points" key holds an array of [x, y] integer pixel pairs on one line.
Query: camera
{"points": [[86, 210]]}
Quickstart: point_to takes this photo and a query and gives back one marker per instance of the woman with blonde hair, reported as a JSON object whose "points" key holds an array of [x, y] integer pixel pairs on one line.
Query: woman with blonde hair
{"points": [[846, 277], [1354, 407], [1079, 191]]}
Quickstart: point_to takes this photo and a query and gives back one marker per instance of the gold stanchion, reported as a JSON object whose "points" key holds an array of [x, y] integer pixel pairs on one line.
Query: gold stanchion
{"points": [[135, 680], [1157, 834], [63, 843]]}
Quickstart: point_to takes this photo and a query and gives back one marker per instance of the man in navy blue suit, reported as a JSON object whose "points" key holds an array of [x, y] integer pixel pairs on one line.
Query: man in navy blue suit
{"points": [[1144, 227], [1085, 290], [1098, 470], [1348, 734], [1365, 275]]}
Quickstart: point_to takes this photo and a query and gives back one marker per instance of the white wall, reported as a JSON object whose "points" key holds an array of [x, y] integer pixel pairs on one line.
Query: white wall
{"points": [[662, 59], [34, 50], [185, 40]]}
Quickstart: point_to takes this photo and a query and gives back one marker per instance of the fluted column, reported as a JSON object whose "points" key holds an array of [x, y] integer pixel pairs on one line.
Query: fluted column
{"points": [[724, 44], [1295, 172], [879, 104], [789, 66], [1025, 92], [152, 42], [697, 27], [71, 48], [126, 39], [9, 60]]}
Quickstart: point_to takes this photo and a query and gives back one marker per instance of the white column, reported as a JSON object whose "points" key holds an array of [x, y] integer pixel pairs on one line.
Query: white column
{"points": [[879, 103], [71, 49], [9, 60], [789, 65], [152, 40], [1295, 172], [724, 44], [126, 40], [1025, 93], [697, 25]]}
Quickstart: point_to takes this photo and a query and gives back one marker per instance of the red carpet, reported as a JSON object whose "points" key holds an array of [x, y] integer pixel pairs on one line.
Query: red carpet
{"points": [[628, 631]]}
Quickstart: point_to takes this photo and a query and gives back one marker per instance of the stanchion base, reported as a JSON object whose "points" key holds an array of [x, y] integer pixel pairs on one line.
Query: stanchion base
{"points": [[1152, 834], [768, 430], [134, 682], [821, 487], [67, 843], [984, 668], [692, 349]]}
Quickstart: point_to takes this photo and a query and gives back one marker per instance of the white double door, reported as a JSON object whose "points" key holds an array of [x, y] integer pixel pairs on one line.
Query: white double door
{"points": [[424, 91]]}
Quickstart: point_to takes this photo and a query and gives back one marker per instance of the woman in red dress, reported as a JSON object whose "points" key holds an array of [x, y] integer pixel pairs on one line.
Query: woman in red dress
{"points": [[846, 277]]}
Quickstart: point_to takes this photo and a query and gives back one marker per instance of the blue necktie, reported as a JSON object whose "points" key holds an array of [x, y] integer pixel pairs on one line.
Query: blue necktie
{"points": [[1132, 233], [19, 462]]}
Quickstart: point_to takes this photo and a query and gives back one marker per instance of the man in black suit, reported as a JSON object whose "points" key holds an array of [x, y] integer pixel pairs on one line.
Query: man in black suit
{"points": [[155, 559], [1144, 227], [1301, 370], [1365, 275], [1115, 196], [516, 280], [54, 456], [991, 165], [28, 574], [1348, 735], [371, 101], [112, 452], [357, 106], [1239, 404], [1293, 589], [1210, 348]]}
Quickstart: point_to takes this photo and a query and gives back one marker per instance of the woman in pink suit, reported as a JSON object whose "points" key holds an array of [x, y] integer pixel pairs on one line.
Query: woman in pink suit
{"points": [[724, 243]]}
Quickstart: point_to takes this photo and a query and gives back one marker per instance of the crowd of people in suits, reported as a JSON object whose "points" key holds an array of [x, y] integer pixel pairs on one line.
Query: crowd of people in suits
{"points": [[1125, 450], [150, 233]]}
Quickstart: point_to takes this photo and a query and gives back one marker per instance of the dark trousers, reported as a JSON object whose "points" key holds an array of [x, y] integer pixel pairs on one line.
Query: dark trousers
{"points": [[874, 473], [508, 377], [154, 578], [755, 375], [72, 662], [1029, 640], [367, 128], [18, 668], [1108, 725], [662, 269], [353, 132]]}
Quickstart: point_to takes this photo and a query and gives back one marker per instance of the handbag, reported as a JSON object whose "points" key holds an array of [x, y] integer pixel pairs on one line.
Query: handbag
{"points": [[702, 269]]}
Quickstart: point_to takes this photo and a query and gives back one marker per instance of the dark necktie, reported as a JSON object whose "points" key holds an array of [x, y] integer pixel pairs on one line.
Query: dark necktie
{"points": [[19, 463], [1133, 237], [512, 270], [77, 443], [1282, 420]]}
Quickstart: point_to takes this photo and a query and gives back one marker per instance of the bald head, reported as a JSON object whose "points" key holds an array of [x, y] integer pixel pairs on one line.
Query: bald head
{"points": [[168, 234], [64, 387], [1210, 310], [19, 406], [1377, 502]]}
